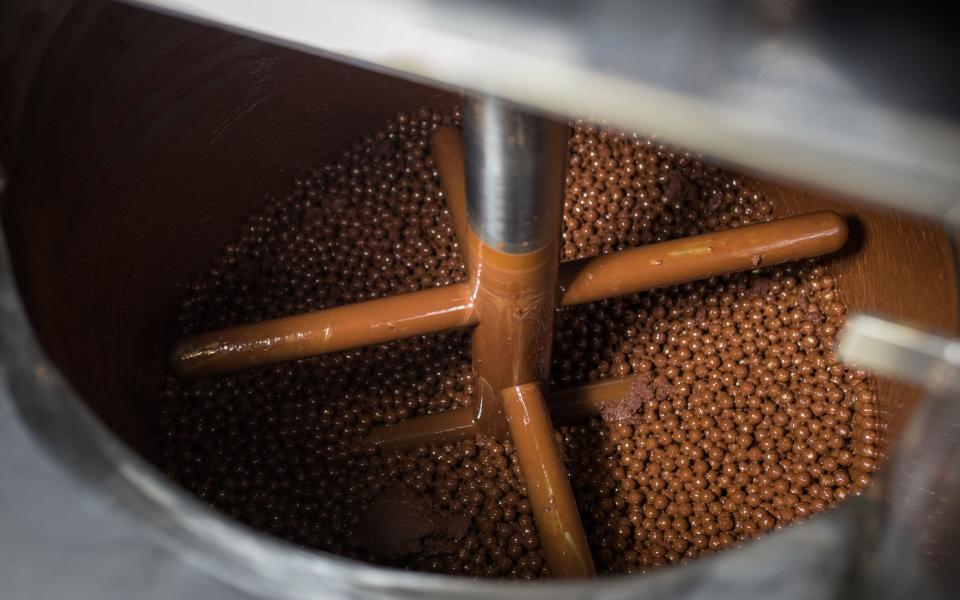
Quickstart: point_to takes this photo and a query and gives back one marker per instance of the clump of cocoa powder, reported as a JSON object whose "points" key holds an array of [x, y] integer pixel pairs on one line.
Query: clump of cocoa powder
{"points": [[644, 392]]}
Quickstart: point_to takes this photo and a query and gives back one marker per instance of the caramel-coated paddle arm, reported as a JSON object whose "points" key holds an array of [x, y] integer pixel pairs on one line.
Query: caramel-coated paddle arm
{"points": [[566, 408], [702, 256], [447, 149], [548, 487], [331, 330], [588, 400], [447, 426]]}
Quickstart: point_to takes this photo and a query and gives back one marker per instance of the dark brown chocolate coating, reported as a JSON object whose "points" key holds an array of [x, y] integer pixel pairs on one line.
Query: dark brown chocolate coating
{"points": [[744, 421]]}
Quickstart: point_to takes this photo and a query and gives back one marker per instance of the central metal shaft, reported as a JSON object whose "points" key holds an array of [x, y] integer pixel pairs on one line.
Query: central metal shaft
{"points": [[514, 174], [514, 178]]}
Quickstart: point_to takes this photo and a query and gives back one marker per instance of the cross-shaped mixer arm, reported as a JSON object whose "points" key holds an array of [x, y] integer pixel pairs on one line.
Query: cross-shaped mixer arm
{"points": [[503, 196]]}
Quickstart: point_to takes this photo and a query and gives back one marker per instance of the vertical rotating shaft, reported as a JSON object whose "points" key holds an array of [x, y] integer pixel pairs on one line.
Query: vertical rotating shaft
{"points": [[514, 176], [514, 180]]}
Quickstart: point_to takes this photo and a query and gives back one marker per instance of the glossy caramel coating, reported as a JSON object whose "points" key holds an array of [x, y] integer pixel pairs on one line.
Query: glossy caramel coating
{"points": [[554, 508], [322, 332], [701, 257]]}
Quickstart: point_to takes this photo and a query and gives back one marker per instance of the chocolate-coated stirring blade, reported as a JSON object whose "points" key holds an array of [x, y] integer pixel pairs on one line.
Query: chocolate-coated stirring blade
{"points": [[507, 229]]}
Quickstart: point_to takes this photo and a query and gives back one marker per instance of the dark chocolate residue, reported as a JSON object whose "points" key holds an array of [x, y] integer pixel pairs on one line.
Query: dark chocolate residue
{"points": [[400, 523]]}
